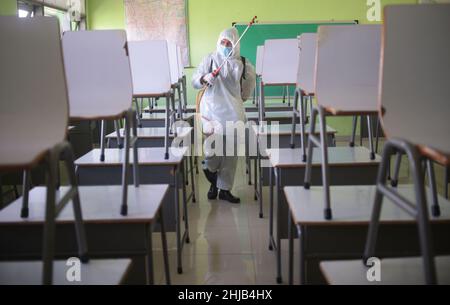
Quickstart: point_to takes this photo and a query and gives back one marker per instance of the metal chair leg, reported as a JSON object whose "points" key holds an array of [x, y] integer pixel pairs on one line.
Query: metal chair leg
{"points": [[185, 93], [355, 123], [180, 104], [369, 128], [435, 209], [418, 210], [309, 155], [125, 166], [395, 177], [76, 204], [134, 123], [302, 128], [49, 224], [166, 137], [377, 135], [24, 212], [138, 112], [288, 96], [117, 128], [294, 116], [325, 169], [102, 140]]}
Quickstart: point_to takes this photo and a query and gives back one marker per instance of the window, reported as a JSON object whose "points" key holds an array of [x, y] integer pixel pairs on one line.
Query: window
{"points": [[64, 22], [27, 9]]}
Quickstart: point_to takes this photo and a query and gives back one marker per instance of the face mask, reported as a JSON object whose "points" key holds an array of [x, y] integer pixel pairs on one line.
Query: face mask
{"points": [[226, 51]]}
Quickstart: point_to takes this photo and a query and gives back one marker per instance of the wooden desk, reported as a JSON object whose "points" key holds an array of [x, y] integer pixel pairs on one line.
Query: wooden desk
{"points": [[268, 107], [155, 137], [348, 166], [397, 271], [96, 272], [151, 137], [158, 119], [111, 235], [344, 237], [282, 117], [260, 139], [153, 169], [158, 109]]}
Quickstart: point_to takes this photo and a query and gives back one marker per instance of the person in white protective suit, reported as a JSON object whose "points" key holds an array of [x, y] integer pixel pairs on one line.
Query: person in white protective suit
{"points": [[222, 102]]}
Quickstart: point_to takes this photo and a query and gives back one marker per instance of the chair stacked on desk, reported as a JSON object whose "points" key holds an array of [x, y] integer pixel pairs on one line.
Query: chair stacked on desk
{"points": [[276, 70], [86, 54], [34, 139], [288, 164], [347, 83], [412, 71]]}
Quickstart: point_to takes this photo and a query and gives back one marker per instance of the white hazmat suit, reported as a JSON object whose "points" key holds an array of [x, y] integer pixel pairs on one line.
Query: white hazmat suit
{"points": [[223, 101]]}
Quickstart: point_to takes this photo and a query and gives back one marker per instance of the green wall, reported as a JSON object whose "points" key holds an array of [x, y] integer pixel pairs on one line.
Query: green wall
{"points": [[8, 7], [207, 18], [105, 14]]}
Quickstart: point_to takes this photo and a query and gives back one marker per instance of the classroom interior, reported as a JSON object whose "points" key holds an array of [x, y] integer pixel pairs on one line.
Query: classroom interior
{"points": [[357, 179]]}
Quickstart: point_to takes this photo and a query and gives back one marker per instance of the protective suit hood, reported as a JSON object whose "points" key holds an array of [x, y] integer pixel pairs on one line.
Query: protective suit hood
{"points": [[232, 35]]}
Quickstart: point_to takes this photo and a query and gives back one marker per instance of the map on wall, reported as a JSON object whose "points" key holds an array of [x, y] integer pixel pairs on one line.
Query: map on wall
{"points": [[158, 20]]}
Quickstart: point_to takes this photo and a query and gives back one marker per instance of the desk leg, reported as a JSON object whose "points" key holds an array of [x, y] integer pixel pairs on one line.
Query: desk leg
{"points": [[191, 170], [260, 186], [291, 248], [249, 170], [185, 212], [278, 246], [271, 208], [149, 257], [255, 178], [302, 262], [178, 221], [247, 154], [164, 246]]}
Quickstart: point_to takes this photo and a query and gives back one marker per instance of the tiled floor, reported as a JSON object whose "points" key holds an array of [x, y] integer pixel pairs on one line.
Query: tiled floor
{"points": [[229, 243]]}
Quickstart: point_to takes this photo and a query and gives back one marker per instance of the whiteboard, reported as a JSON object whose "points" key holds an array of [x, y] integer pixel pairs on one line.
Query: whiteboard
{"points": [[63, 4], [33, 96], [150, 67], [347, 69], [280, 61], [307, 62], [98, 73], [415, 87], [259, 59]]}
